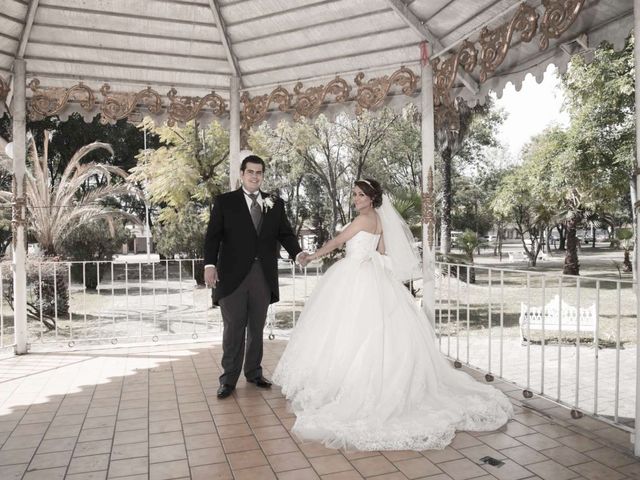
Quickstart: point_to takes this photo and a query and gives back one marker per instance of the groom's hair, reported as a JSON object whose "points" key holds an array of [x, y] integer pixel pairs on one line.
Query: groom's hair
{"points": [[252, 159]]}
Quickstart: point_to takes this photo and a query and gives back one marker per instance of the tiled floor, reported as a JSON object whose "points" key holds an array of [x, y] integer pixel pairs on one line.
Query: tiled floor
{"points": [[151, 413]]}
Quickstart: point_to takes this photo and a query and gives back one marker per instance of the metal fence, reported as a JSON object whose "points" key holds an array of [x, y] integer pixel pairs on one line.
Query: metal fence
{"points": [[115, 301], [585, 364]]}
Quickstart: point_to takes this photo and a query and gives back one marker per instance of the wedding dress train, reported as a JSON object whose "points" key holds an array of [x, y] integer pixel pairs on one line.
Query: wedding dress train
{"points": [[363, 371]]}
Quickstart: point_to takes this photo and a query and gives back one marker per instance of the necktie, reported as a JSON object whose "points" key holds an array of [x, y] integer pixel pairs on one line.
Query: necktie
{"points": [[256, 211]]}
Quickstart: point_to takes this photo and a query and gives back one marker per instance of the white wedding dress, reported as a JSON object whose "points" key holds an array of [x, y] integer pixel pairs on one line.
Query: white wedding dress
{"points": [[363, 371]]}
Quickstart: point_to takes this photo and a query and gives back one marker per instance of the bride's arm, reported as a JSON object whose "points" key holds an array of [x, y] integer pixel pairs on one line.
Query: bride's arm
{"points": [[336, 242], [381, 249]]}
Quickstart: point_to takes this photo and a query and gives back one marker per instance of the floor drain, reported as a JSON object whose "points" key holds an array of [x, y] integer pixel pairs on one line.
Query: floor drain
{"points": [[494, 462]]}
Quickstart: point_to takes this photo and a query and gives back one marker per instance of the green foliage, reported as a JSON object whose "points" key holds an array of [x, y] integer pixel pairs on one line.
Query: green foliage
{"points": [[182, 179], [79, 196], [468, 241], [182, 234]]}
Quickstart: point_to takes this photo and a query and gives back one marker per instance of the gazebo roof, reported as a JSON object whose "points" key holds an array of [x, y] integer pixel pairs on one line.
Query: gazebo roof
{"points": [[195, 46]]}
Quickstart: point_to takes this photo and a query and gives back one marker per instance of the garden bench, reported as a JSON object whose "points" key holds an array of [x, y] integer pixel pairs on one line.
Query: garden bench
{"points": [[557, 320]]}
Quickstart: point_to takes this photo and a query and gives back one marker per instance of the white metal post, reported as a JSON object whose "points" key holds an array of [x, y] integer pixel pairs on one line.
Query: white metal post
{"points": [[19, 206], [636, 32], [428, 154], [234, 132]]}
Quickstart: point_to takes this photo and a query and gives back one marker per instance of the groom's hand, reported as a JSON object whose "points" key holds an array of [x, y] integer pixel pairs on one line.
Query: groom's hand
{"points": [[210, 276]]}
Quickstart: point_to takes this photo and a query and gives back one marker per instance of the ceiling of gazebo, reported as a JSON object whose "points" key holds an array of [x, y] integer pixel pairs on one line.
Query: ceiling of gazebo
{"points": [[194, 46]]}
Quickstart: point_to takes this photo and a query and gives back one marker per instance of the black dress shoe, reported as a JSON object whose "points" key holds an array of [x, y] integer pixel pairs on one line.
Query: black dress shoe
{"points": [[260, 382], [225, 390]]}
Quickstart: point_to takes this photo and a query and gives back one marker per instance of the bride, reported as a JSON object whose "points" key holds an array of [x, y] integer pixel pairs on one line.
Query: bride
{"points": [[362, 369]]}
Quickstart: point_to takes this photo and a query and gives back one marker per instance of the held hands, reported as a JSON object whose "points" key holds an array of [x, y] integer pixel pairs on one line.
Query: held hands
{"points": [[210, 277], [304, 258]]}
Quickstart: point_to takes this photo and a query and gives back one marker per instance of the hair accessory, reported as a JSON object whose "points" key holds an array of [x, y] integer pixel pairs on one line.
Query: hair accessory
{"points": [[366, 181]]}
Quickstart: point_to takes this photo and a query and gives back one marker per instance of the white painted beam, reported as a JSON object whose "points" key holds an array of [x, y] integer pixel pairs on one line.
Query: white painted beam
{"points": [[224, 38], [403, 11]]}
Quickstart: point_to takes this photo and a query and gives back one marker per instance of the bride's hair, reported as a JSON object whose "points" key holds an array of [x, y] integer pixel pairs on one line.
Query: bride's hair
{"points": [[372, 189]]}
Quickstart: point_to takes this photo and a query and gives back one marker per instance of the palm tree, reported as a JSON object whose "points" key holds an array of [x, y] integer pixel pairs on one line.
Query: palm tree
{"points": [[56, 209]]}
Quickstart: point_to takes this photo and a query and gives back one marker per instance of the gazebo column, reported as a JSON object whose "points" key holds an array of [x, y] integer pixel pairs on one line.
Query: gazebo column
{"points": [[636, 52], [19, 259], [428, 214], [234, 132]]}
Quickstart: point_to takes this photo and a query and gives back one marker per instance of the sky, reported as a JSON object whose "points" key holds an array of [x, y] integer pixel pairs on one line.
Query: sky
{"points": [[531, 110]]}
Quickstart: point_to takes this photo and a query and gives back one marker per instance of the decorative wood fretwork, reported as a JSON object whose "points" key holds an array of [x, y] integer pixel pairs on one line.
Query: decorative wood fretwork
{"points": [[184, 109], [495, 43], [558, 16], [428, 208], [4, 90], [116, 106], [445, 73], [308, 102], [46, 102], [372, 93], [255, 109], [19, 210]]}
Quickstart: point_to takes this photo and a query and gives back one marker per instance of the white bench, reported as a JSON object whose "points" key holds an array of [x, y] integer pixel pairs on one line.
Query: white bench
{"points": [[531, 319]]}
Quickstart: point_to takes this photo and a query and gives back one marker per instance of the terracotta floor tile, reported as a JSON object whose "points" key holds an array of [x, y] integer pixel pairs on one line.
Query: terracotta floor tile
{"points": [[236, 430], [551, 470], [206, 456], [371, 466], [239, 444], [611, 458], [566, 456], [218, 471], [167, 453], [597, 471], [538, 441], [330, 464], [90, 463], [445, 455], [579, 442], [251, 458], [288, 461], [302, 474], [256, 473], [461, 469], [524, 455], [499, 441], [350, 475], [417, 467], [278, 445], [169, 470], [397, 455]]}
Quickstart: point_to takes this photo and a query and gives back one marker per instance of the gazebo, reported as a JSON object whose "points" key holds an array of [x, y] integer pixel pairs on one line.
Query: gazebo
{"points": [[242, 62]]}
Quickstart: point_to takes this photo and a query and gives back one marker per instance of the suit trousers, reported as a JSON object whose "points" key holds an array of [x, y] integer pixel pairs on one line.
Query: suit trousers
{"points": [[244, 312]]}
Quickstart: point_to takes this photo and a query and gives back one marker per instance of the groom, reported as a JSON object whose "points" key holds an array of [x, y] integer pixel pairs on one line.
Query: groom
{"points": [[241, 263]]}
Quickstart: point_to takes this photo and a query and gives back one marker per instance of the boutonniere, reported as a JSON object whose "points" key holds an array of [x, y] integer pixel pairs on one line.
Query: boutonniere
{"points": [[267, 203]]}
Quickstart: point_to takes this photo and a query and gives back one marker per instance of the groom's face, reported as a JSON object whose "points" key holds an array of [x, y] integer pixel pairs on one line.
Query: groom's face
{"points": [[252, 177]]}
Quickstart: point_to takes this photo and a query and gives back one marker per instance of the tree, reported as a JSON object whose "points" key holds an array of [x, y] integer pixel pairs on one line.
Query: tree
{"points": [[625, 236], [56, 208], [182, 178], [600, 96], [467, 145]]}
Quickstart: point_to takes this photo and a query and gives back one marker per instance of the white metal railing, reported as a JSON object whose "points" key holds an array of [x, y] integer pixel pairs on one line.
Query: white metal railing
{"points": [[476, 322], [586, 369], [114, 301]]}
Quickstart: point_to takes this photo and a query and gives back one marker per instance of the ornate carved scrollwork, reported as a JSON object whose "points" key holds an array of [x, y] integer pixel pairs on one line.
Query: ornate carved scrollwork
{"points": [[183, 109], [495, 43], [255, 109], [308, 103], [19, 210], [372, 93], [116, 106], [428, 208], [46, 102], [558, 16], [4, 89], [446, 115]]}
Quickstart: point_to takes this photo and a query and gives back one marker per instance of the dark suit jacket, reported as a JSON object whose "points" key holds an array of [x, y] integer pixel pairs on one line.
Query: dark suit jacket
{"points": [[232, 243]]}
